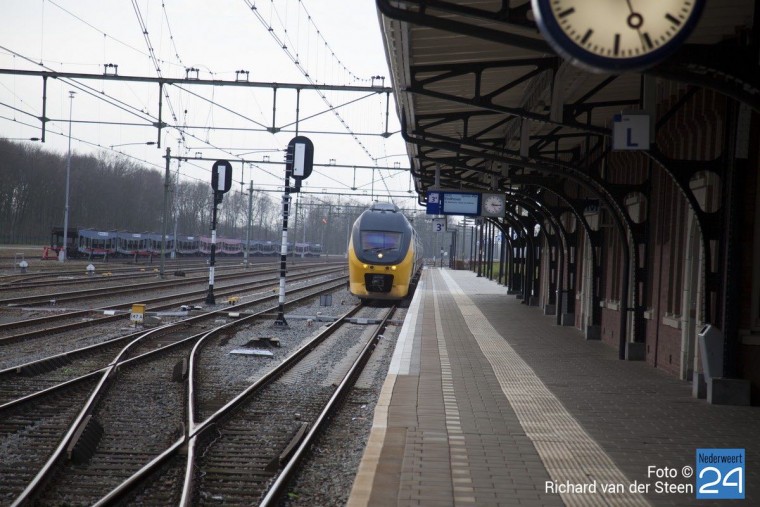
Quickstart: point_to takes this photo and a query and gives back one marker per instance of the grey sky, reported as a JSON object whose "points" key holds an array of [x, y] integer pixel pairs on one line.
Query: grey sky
{"points": [[217, 38]]}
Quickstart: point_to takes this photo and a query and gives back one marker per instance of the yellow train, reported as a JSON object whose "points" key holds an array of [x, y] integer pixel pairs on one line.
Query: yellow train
{"points": [[384, 254]]}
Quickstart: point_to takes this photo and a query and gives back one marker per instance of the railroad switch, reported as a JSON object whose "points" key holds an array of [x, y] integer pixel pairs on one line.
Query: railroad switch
{"points": [[232, 300], [263, 340], [258, 347]]}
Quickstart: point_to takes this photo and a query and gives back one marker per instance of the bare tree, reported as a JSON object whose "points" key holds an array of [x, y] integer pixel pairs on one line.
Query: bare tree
{"points": [[113, 193]]}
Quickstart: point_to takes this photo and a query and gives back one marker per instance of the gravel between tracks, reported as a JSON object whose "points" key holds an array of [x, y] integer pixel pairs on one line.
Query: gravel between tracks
{"points": [[330, 467]]}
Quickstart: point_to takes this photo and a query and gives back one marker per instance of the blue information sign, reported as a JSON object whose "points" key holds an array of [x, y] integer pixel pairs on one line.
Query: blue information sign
{"points": [[434, 203], [453, 203]]}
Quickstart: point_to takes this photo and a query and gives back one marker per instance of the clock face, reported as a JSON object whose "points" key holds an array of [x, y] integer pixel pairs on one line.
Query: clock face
{"points": [[493, 205], [614, 35]]}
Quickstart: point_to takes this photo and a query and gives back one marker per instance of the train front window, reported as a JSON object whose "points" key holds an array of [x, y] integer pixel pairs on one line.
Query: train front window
{"points": [[380, 241]]}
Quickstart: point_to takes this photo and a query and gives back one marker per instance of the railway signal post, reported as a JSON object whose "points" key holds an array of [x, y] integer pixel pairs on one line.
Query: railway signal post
{"points": [[299, 161], [221, 181]]}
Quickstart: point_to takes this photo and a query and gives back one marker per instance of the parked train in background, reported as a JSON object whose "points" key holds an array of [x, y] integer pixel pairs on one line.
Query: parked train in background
{"points": [[87, 243], [384, 254]]}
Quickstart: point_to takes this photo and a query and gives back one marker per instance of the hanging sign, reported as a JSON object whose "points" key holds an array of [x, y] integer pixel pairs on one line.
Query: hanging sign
{"points": [[630, 132], [453, 203]]}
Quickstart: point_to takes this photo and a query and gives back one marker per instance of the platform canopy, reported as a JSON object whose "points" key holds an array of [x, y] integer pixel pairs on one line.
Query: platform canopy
{"points": [[482, 96]]}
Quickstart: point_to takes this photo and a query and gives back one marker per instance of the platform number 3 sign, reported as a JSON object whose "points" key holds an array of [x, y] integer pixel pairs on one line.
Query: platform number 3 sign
{"points": [[720, 474]]}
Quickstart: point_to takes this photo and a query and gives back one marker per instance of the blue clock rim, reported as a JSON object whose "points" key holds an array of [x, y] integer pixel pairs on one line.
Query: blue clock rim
{"points": [[569, 49]]}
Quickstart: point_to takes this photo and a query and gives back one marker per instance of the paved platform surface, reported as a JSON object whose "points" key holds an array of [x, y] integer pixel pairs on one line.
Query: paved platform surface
{"points": [[488, 402]]}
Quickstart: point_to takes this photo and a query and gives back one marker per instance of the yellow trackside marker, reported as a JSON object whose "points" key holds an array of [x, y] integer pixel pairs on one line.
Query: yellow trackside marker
{"points": [[137, 314]]}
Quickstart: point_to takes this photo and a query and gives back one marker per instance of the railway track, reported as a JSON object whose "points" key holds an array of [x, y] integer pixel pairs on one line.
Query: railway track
{"points": [[99, 315], [119, 266], [76, 295], [27, 378], [291, 423], [29, 431], [13, 283], [103, 277], [247, 450], [133, 415]]}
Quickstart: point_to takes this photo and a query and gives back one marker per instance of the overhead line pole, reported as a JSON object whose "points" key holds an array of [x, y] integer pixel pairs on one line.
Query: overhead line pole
{"points": [[167, 177], [63, 253], [248, 226]]}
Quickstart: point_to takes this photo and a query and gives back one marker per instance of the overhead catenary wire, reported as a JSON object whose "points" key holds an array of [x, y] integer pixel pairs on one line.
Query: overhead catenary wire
{"points": [[216, 104], [295, 59], [89, 90], [105, 97], [188, 160], [105, 34], [152, 54], [171, 34], [262, 187], [181, 127], [185, 129], [155, 60]]}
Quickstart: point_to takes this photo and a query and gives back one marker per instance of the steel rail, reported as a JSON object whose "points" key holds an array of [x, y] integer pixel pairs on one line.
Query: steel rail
{"points": [[138, 336], [107, 375], [114, 275], [187, 441], [277, 489], [196, 430], [222, 291], [86, 293]]}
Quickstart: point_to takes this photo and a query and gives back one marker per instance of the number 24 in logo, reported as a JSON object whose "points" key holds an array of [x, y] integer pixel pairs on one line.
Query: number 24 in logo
{"points": [[718, 475], [706, 490]]}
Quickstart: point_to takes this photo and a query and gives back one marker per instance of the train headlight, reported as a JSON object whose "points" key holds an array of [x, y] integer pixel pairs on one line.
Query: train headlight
{"points": [[365, 266], [380, 255], [393, 268]]}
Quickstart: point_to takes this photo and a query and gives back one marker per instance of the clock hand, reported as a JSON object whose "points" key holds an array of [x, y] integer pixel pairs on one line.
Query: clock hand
{"points": [[635, 21]]}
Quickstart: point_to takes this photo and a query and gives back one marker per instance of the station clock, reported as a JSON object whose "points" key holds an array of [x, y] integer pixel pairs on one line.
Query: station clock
{"points": [[616, 35], [493, 205]]}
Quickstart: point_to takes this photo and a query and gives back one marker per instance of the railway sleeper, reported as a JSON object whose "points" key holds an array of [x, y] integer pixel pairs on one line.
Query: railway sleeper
{"points": [[85, 441], [236, 473], [296, 439], [253, 462], [179, 374], [44, 366]]}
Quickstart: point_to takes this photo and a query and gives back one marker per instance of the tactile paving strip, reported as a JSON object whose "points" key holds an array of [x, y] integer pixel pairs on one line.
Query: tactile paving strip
{"points": [[569, 454], [464, 494]]}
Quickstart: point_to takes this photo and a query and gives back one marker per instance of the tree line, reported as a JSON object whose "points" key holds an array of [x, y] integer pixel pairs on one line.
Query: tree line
{"points": [[111, 192]]}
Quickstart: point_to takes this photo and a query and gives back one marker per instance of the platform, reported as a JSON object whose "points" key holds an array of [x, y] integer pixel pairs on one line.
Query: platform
{"points": [[488, 402]]}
